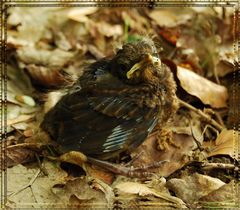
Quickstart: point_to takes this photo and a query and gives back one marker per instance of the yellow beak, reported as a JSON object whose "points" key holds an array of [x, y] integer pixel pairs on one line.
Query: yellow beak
{"points": [[148, 59]]}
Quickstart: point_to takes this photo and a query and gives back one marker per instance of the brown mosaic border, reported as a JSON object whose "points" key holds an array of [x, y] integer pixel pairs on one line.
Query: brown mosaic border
{"points": [[3, 104], [5, 4]]}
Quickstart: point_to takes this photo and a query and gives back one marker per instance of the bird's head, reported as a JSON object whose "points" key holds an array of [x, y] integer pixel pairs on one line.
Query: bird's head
{"points": [[137, 62]]}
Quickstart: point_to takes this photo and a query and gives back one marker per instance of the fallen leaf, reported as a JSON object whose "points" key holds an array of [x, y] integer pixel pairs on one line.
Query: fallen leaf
{"points": [[61, 41], [224, 67], [192, 188], [169, 18], [225, 144], [19, 154], [20, 126], [143, 190], [20, 118], [78, 192], [28, 100], [80, 14], [13, 111], [224, 197], [204, 89], [38, 194], [95, 52], [177, 155], [31, 28], [50, 58], [109, 30]]}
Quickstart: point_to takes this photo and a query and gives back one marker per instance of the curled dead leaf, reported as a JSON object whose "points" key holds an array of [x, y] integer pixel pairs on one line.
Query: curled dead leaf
{"points": [[225, 143], [207, 91]]}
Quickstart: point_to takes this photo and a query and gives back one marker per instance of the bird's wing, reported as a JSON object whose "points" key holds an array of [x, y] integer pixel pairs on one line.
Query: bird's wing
{"points": [[97, 123], [82, 124]]}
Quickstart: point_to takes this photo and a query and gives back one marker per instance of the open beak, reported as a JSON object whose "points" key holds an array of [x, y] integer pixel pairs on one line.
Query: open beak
{"points": [[149, 59]]}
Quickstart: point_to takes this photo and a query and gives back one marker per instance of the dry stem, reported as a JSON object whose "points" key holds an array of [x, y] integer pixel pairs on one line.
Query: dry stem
{"points": [[204, 116]]}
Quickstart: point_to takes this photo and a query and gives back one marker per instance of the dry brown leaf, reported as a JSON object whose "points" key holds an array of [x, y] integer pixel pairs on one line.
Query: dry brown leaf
{"points": [[28, 100], [20, 118], [80, 14], [225, 144], [225, 196], [191, 188], [109, 30], [31, 28], [169, 18], [95, 51], [177, 156], [78, 192], [135, 20], [13, 110], [61, 41], [170, 35], [224, 67], [39, 194], [20, 126], [20, 153], [49, 58], [144, 190], [207, 91]]}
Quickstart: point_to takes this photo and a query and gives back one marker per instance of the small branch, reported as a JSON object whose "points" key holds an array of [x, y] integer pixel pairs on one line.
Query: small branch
{"points": [[219, 118], [208, 166], [27, 185], [204, 116]]}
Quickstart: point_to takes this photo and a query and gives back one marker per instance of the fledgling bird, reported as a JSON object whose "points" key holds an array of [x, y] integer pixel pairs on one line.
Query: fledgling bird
{"points": [[115, 104]]}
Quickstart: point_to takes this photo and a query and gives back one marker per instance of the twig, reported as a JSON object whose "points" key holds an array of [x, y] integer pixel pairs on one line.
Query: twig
{"points": [[208, 166], [219, 118], [210, 127], [27, 185], [195, 139], [216, 76], [206, 117]]}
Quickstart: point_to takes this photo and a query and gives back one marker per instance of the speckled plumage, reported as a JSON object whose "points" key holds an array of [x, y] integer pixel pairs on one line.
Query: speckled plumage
{"points": [[105, 112]]}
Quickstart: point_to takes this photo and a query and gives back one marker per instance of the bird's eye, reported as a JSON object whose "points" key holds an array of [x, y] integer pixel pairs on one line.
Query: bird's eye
{"points": [[122, 67]]}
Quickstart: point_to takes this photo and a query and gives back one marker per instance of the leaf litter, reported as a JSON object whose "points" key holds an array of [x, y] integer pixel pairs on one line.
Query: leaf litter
{"points": [[50, 48]]}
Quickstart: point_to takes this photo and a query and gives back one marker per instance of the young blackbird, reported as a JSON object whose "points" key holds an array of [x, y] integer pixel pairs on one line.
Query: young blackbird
{"points": [[115, 104]]}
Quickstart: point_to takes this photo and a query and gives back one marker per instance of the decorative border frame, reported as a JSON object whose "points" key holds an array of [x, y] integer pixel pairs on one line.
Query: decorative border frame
{"points": [[5, 4]]}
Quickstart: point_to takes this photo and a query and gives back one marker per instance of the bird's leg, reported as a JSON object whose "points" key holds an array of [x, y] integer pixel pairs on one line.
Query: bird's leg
{"points": [[124, 170], [153, 165], [79, 158], [73, 157]]}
